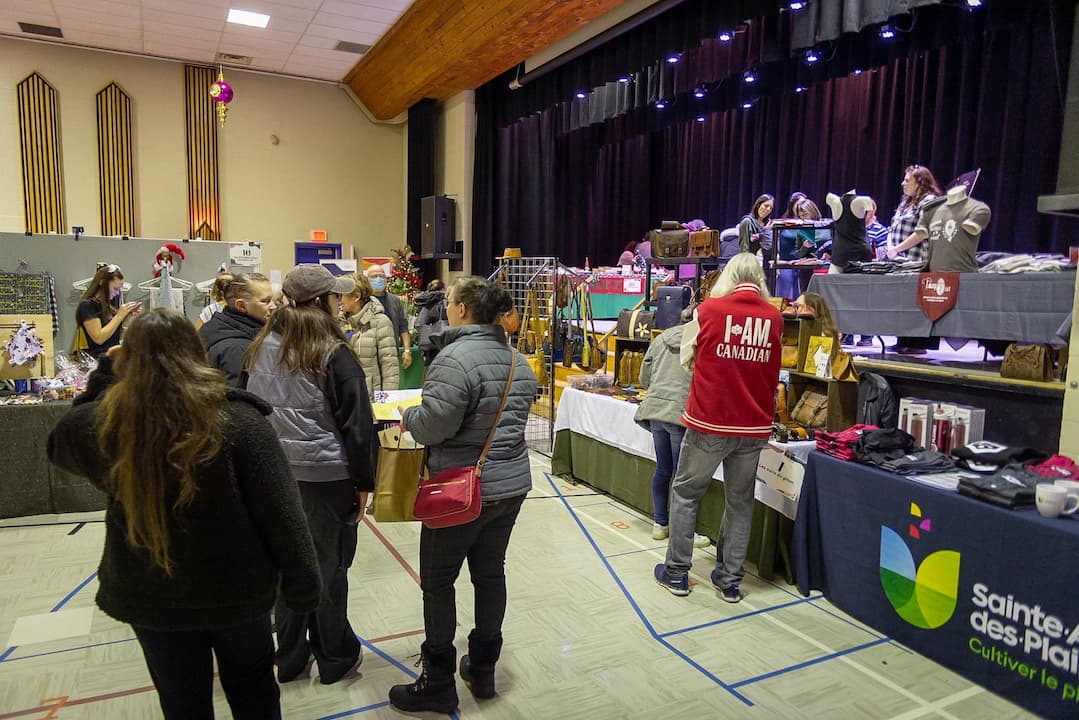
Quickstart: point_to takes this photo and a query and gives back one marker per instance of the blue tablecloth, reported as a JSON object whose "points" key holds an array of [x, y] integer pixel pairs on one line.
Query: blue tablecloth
{"points": [[990, 593]]}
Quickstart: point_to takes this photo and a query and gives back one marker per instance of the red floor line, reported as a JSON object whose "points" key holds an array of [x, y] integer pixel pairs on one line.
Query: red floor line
{"points": [[396, 636], [80, 701], [393, 551]]}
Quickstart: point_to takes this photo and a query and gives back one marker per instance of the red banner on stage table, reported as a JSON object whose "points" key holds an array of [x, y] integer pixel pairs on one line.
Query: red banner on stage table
{"points": [[937, 293]]}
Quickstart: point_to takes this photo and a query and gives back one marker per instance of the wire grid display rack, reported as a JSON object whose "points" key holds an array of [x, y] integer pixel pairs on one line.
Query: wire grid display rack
{"points": [[519, 275]]}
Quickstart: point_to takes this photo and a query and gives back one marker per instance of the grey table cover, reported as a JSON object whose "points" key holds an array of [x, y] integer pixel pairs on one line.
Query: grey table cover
{"points": [[29, 483], [1029, 308]]}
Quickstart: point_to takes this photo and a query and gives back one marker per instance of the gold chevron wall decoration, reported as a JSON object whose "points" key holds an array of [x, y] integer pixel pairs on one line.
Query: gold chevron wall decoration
{"points": [[39, 146], [200, 123], [116, 161]]}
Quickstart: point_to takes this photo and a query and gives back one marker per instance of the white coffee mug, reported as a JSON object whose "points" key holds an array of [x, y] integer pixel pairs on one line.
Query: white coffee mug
{"points": [[1054, 501], [1072, 486]]}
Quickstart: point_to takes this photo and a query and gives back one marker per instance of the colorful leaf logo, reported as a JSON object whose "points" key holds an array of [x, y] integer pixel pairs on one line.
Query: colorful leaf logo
{"points": [[925, 595]]}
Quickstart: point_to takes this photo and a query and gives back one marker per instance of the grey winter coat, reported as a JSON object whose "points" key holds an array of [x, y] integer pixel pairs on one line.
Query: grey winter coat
{"points": [[461, 394], [666, 380], [376, 347]]}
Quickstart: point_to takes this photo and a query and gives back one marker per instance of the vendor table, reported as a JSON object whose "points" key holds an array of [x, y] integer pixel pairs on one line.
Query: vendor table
{"points": [[988, 592], [597, 442], [1029, 308], [31, 485], [612, 293]]}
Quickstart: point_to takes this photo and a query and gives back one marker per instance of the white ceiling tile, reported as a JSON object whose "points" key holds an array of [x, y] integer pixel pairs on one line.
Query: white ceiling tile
{"points": [[398, 5], [194, 42], [215, 10], [112, 42], [280, 24], [250, 34], [98, 7], [152, 17], [313, 41], [348, 23], [366, 12], [340, 34], [241, 46], [95, 23]]}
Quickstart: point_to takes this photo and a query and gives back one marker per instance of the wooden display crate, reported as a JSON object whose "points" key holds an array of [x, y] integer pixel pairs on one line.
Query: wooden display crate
{"points": [[842, 398]]}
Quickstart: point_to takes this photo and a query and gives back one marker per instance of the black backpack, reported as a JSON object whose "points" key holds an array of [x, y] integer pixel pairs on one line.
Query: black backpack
{"points": [[876, 402]]}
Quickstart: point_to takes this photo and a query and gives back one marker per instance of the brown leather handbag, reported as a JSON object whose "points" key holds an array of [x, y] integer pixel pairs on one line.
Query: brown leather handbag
{"points": [[669, 243], [811, 410], [1027, 362], [704, 243]]}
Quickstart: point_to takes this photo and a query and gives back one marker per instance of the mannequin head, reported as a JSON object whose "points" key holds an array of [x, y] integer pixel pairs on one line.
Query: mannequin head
{"points": [[957, 194]]}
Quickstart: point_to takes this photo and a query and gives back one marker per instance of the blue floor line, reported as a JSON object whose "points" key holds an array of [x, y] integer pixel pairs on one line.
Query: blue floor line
{"points": [[73, 649], [633, 552], [636, 608], [744, 615], [7, 653], [809, 663], [74, 592], [356, 711]]}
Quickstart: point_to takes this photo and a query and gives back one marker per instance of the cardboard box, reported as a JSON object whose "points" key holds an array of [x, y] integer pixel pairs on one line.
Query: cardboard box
{"points": [[916, 418], [968, 423]]}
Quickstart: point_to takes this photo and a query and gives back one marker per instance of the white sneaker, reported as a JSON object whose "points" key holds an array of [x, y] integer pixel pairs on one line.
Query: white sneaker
{"points": [[700, 541], [660, 532]]}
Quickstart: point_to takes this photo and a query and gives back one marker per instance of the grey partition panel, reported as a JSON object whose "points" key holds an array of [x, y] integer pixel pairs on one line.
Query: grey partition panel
{"points": [[70, 260]]}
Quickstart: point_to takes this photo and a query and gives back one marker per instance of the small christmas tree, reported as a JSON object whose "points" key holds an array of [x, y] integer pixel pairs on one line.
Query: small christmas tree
{"points": [[405, 278]]}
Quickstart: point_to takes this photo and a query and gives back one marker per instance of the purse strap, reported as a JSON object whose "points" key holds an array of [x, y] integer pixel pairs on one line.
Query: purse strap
{"points": [[498, 415]]}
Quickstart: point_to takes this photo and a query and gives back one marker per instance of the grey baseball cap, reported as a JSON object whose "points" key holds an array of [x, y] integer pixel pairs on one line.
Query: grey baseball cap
{"points": [[306, 282]]}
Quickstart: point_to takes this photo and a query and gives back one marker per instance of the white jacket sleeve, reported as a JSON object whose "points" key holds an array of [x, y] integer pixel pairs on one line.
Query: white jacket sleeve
{"points": [[688, 353]]}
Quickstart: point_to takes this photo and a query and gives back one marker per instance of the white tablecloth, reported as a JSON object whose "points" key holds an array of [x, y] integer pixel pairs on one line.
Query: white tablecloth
{"points": [[610, 421]]}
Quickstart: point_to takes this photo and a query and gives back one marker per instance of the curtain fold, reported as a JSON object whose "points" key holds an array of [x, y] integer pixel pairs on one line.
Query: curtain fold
{"points": [[568, 186]]}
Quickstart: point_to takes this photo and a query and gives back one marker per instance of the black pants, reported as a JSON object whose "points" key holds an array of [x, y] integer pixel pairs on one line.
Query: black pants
{"points": [[331, 513], [442, 552], [182, 667]]}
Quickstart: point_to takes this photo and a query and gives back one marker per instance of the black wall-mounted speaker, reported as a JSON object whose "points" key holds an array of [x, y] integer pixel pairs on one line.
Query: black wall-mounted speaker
{"points": [[438, 220]]}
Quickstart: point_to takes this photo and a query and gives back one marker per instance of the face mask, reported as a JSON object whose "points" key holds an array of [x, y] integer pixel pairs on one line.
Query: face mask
{"points": [[114, 293], [378, 284]]}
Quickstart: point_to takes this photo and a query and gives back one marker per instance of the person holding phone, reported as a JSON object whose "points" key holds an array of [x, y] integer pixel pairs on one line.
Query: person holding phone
{"points": [[100, 316]]}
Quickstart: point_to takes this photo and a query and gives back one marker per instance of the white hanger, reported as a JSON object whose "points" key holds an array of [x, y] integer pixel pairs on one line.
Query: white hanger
{"points": [[177, 284], [205, 286], [85, 282]]}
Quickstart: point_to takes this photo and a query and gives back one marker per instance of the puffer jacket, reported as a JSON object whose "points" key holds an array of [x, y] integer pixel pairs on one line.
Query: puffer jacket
{"points": [[325, 423], [226, 336], [376, 347], [666, 380], [461, 395]]}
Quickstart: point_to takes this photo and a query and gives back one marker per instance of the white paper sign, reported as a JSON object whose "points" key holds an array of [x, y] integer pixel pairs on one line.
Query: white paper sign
{"points": [[632, 286], [245, 254]]}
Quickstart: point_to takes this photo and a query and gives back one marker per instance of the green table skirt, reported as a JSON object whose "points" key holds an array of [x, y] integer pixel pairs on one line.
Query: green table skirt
{"points": [[628, 478]]}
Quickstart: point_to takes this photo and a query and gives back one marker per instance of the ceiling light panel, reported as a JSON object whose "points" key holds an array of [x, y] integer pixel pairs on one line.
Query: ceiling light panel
{"points": [[246, 17]]}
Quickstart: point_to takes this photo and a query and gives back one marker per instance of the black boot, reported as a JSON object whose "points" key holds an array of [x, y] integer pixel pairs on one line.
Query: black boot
{"points": [[478, 667], [435, 689]]}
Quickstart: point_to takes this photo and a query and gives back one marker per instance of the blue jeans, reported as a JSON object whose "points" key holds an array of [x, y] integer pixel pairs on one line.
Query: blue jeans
{"points": [[668, 441]]}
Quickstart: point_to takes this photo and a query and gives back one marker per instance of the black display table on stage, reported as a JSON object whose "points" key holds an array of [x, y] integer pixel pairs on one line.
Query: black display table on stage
{"points": [[1029, 308], [30, 484], [990, 593]]}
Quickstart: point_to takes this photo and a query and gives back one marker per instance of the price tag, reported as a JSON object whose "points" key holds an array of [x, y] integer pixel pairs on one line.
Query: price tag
{"points": [[632, 286]]}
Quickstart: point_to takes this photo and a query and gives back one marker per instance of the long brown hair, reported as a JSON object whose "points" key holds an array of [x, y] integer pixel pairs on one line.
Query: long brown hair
{"points": [[158, 423], [98, 289], [309, 333], [926, 184]]}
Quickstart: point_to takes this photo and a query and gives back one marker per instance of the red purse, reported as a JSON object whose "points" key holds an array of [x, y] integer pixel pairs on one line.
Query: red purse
{"points": [[452, 497]]}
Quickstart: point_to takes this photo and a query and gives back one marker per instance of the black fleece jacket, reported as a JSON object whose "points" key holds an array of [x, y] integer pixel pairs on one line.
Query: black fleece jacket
{"points": [[226, 337], [244, 531]]}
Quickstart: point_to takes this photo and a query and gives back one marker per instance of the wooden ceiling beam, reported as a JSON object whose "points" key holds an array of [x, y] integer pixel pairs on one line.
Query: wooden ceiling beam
{"points": [[439, 48]]}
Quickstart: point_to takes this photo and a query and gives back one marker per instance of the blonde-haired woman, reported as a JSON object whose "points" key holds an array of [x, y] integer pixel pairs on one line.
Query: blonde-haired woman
{"points": [[372, 336], [197, 470]]}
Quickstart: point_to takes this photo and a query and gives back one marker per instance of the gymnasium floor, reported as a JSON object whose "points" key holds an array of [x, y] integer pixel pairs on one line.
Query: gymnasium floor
{"points": [[588, 634]]}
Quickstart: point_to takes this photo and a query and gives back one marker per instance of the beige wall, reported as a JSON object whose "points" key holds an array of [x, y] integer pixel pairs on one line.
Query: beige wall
{"points": [[454, 162], [1069, 426], [332, 169]]}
